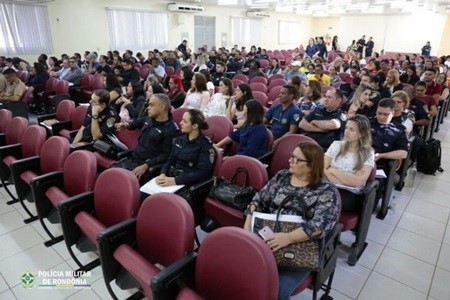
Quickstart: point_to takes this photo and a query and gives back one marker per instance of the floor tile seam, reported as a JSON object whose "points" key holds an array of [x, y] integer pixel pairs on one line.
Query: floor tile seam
{"points": [[410, 255], [439, 241], [402, 283]]}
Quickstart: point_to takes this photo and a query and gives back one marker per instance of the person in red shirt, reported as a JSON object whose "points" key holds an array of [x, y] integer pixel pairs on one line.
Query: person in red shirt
{"points": [[434, 89], [420, 91]]}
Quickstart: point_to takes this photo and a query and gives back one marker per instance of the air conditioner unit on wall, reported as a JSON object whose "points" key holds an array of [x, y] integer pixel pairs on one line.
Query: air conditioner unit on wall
{"points": [[258, 14], [186, 8]]}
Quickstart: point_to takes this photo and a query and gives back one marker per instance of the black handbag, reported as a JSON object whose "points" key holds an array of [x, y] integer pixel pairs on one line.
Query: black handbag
{"points": [[230, 193], [296, 256]]}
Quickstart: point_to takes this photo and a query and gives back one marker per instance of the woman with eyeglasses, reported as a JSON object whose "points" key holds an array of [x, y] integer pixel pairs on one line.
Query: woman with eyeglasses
{"points": [[402, 115], [305, 183], [350, 161]]}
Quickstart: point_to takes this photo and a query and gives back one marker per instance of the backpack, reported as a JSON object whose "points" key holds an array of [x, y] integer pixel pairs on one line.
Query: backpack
{"points": [[429, 158]]}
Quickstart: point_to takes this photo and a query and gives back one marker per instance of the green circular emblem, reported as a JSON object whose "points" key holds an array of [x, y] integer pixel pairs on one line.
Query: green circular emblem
{"points": [[27, 279]]}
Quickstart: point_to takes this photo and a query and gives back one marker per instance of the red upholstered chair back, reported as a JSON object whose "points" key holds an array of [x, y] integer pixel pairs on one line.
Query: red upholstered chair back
{"points": [[233, 263], [165, 228], [286, 145], [54, 153], [177, 114], [15, 129], [170, 70], [5, 117], [276, 76], [372, 175], [62, 87], [219, 128], [264, 63], [258, 87], [129, 137], [65, 110], [257, 172], [259, 79], [26, 97], [271, 139], [86, 80], [80, 172], [51, 83], [116, 197], [236, 82], [78, 116], [261, 97], [98, 82], [144, 72], [32, 140], [274, 93], [276, 82], [241, 77], [218, 161]]}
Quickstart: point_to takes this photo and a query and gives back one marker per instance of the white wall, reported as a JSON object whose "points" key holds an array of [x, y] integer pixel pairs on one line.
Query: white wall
{"points": [[83, 25]]}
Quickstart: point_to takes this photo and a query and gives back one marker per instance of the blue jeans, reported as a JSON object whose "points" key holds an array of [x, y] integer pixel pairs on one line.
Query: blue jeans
{"points": [[289, 281]]}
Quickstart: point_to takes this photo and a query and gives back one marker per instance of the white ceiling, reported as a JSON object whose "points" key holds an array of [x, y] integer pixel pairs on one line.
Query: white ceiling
{"points": [[335, 7]]}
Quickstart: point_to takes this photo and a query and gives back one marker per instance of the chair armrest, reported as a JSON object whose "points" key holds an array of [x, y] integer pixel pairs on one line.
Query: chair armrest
{"points": [[73, 133], [109, 239], [88, 147], [57, 127], [202, 185], [123, 154], [67, 211], [14, 150], [2, 139], [329, 253], [46, 117], [165, 285], [266, 158], [26, 164], [40, 185]]}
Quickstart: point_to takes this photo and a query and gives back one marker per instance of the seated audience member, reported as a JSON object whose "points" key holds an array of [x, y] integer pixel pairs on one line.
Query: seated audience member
{"points": [[198, 96], [100, 119], [402, 115], [129, 108], [156, 69], [39, 79], [186, 75], [117, 64], [334, 77], [192, 157], [74, 74], [410, 75], [274, 67], [220, 72], [429, 101], [173, 61], [442, 81], [325, 123], [393, 81], [252, 136], [200, 63], [236, 63], [420, 110], [2, 83], [209, 85], [113, 87], [235, 107], [176, 91], [53, 65], [294, 70], [219, 101], [377, 85], [304, 181], [104, 68], [14, 87], [155, 141], [318, 75], [284, 116], [128, 73], [313, 94], [434, 89], [389, 139], [182, 47], [254, 70], [155, 88], [296, 82], [358, 103], [351, 160], [92, 63], [348, 89]]}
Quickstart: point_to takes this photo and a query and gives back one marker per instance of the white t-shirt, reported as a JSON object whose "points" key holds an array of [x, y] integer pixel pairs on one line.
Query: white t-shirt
{"points": [[217, 106], [346, 162]]}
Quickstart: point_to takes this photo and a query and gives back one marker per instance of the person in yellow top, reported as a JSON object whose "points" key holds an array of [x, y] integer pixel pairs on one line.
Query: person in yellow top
{"points": [[324, 79]]}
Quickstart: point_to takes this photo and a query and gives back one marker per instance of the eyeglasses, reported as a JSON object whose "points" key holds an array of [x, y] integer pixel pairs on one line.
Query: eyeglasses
{"points": [[296, 159]]}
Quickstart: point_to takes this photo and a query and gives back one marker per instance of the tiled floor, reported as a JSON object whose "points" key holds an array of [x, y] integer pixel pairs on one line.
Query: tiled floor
{"points": [[408, 256]]}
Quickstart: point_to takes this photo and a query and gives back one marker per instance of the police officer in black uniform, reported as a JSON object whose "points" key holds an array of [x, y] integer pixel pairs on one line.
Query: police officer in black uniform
{"points": [[155, 142], [325, 123], [389, 140], [100, 119]]}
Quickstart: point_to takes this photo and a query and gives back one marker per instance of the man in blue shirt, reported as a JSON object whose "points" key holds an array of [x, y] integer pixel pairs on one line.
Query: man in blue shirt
{"points": [[293, 70], [325, 123], [285, 115]]}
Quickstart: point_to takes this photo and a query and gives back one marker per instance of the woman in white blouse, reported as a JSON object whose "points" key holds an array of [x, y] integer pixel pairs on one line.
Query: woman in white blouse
{"points": [[219, 101], [350, 161], [198, 96]]}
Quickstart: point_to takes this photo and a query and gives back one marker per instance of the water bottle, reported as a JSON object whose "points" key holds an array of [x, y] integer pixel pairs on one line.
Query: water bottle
{"points": [[411, 176]]}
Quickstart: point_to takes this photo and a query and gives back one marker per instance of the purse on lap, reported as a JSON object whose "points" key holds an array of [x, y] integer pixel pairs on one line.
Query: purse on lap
{"points": [[296, 256], [232, 194]]}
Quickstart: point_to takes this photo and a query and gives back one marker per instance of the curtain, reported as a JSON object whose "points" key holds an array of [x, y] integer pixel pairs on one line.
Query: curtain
{"points": [[246, 32], [24, 29], [289, 33], [132, 29]]}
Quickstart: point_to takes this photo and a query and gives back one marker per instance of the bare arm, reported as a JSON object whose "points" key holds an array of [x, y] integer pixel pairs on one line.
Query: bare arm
{"points": [[396, 154], [79, 135]]}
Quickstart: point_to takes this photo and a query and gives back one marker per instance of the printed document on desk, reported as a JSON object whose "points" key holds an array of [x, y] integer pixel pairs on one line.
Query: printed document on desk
{"points": [[152, 187]]}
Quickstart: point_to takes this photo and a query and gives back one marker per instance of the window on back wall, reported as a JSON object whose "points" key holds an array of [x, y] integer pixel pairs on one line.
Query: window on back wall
{"points": [[133, 29], [245, 31], [289, 33], [24, 29]]}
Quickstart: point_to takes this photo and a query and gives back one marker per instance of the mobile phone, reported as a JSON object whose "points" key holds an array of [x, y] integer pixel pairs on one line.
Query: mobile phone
{"points": [[266, 233]]}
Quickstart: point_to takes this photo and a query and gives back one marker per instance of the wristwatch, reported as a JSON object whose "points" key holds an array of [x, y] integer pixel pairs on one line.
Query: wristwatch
{"points": [[94, 117]]}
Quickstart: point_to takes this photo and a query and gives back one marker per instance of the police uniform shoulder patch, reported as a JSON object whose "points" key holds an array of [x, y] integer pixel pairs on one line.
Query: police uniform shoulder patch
{"points": [[110, 122], [212, 155], [296, 117]]}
